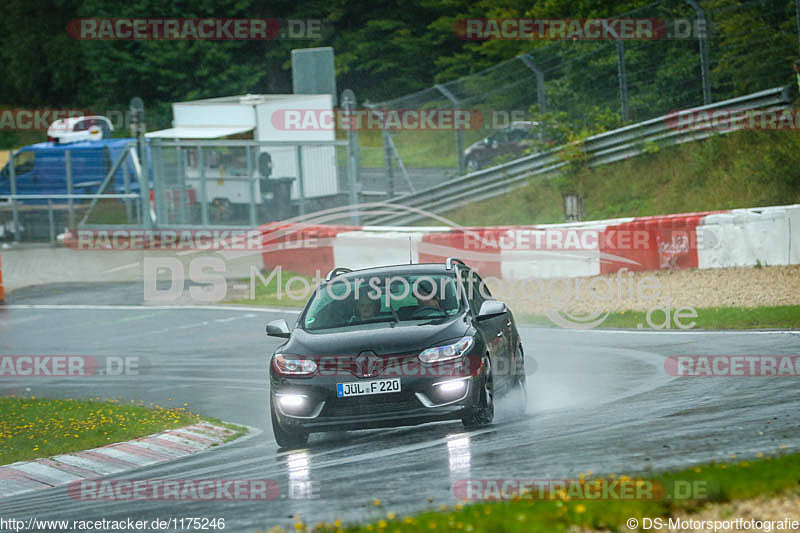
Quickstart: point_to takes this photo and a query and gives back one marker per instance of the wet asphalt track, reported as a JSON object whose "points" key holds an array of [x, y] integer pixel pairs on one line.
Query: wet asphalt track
{"points": [[601, 401]]}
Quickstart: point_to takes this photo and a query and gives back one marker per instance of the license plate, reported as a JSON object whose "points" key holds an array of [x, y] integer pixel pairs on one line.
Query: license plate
{"points": [[362, 388]]}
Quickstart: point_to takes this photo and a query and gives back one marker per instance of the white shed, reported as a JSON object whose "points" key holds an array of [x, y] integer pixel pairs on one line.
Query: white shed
{"points": [[254, 116]]}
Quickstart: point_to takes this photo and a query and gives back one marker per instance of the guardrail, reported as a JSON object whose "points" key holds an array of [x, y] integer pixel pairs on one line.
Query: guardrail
{"points": [[604, 148]]}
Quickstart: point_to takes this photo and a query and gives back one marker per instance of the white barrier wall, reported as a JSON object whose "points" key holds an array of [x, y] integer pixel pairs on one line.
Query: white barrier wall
{"points": [[746, 237], [364, 249], [737, 238]]}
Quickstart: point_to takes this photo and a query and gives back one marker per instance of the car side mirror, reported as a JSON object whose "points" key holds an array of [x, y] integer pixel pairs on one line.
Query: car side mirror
{"points": [[491, 309], [278, 328]]}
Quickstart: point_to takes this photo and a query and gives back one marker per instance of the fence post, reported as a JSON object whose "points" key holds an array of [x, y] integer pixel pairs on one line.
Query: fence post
{"points": [[70, 206], [158, 185], [300, 185], [51, 221], [349, 105], [623, 81], [180, 186], [13, 179], [702, 26], [540, 96], [139, 173], [144, 188], [797, 15], [201, 160], [127, 184], [252, 185], [459, 139], [138, 129], [387, 159]]}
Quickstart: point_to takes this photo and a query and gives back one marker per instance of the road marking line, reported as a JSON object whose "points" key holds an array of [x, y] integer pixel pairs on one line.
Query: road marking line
{"points": [[163, 450], [90, 464], [47, 474], [184, 442], [140, 460], [670, 332], [123, 267], [29, 476], [168, 443], [152, 307], [198, 437], [143, 452], [80, 472]]}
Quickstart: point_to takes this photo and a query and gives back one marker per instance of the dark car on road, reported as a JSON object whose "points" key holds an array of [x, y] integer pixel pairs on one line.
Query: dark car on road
{"points": [[394, 346], [512, 141]]}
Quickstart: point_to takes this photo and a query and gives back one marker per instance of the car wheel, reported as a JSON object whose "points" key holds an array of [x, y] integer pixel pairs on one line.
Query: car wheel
{"points": [[473, 164], [483, 413], [519, 392], [286, 438]]}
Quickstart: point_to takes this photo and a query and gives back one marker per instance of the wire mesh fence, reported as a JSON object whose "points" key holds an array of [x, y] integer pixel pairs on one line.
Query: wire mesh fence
{"points": [[707, 52], [47, 189], [243, 182]]}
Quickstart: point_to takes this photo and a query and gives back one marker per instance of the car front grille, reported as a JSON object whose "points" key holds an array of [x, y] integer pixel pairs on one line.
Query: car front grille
{"points": [[372, 404]]}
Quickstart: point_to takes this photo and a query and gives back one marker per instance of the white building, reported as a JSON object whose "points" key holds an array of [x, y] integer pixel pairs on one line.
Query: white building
{"points": [[259, 117]]}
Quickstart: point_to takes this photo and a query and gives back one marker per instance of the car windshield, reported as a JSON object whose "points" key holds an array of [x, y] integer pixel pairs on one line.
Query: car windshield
{"points": [[372, 299]]}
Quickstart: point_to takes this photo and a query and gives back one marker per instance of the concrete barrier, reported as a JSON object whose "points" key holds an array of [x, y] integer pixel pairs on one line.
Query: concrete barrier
{"points": [[715, 239]]}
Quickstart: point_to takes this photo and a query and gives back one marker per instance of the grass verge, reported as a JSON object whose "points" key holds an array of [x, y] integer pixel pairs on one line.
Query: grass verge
{"points": [[743, 169], [712, 483], [31, 428], [274, 294], [783, 317]]}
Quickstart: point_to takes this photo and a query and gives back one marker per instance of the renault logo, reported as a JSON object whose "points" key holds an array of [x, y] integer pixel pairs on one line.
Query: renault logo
{"points": [[367, 364]]}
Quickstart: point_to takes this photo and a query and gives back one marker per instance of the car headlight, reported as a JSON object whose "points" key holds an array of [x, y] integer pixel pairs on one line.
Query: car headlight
{"points": [[447, 353], [293, 365]]}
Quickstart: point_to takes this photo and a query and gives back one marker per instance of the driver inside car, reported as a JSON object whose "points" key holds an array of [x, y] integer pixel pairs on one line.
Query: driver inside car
{"points": [[426, 295], [365, 309]]}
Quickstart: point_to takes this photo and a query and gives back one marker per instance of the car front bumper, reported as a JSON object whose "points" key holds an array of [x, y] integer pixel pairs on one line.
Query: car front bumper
{"points": [[419, 401]]}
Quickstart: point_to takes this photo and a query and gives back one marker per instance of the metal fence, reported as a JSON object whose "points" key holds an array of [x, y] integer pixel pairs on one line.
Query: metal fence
{"points": [[178, 183], [735, 47], [43, 192], [240, 183], [628, 141]]}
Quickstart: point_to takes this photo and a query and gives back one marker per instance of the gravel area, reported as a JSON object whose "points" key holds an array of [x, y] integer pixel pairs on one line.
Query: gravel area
{"points": [[775, 508], [640, 291], [764, 508]]}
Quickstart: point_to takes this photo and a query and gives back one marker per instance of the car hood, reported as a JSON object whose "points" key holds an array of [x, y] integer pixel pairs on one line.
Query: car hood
{"points": [[383, 338]]}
